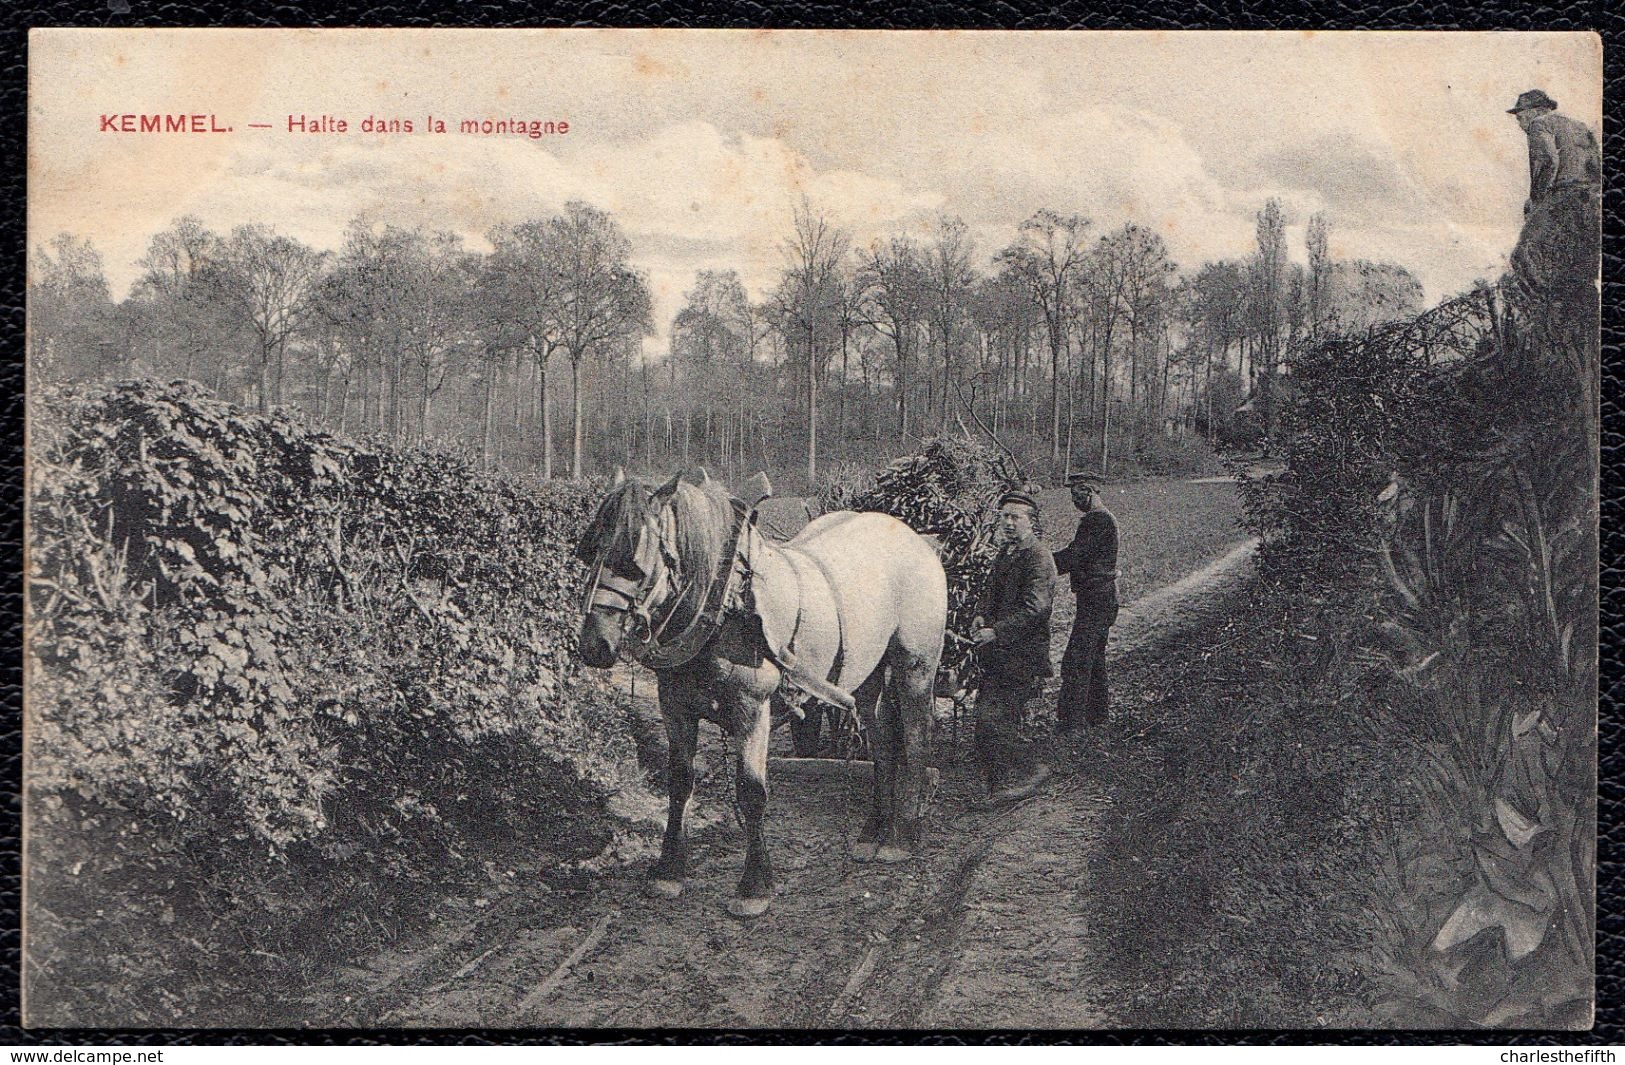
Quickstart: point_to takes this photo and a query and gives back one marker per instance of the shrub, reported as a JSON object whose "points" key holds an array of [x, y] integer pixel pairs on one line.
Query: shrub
{"points": [[1441, 469], [1169, 456], [246, 626]]}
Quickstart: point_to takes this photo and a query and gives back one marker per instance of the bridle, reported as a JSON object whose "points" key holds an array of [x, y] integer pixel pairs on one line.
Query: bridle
{"points": [[663, 581], [631, 600]]}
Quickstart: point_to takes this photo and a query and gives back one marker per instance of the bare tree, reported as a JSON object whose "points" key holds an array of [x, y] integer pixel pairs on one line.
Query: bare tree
{"points": [[367, 299], [1107, 274], [1214, 305], [1318, 243], [439, 307], [270, 279], [70, 310], [1004, 313], [894, 287], [180, 288], [1049, 257], [850, 316], [809, 297], [1269, 291], [951, 279], [525, 288], [1146, 271], [709, 339], [602, 301], [756, 319]]}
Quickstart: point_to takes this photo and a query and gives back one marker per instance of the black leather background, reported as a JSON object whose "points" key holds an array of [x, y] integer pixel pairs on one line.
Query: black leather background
{"points": [[916, 14]]}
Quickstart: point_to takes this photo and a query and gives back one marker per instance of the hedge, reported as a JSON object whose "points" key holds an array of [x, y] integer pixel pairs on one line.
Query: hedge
{"points": [[251, 629]]}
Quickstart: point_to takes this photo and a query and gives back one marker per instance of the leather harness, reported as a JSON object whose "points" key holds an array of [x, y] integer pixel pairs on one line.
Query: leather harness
{"points": [[811, 683], [687, 645], [727, 591]]}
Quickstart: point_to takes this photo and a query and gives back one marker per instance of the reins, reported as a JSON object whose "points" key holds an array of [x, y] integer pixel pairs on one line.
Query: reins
{"points": [[676, 603]]}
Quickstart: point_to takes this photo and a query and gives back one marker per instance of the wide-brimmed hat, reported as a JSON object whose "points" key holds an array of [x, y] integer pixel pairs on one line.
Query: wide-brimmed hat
{"points": [[1533, 100], [1019, 495]]}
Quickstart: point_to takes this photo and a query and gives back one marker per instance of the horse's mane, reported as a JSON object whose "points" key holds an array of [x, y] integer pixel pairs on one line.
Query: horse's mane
{"points": [[704, 516], [614, 525]]}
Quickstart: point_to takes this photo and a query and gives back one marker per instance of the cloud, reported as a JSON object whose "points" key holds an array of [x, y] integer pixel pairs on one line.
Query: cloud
{"points": [[691, 181], [702, 144], [1357, 180], [1113, 165]]}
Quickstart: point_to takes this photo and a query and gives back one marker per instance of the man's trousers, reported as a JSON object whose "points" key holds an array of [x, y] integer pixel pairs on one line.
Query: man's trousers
{"points": [[1083, 699], [1003, 755]]}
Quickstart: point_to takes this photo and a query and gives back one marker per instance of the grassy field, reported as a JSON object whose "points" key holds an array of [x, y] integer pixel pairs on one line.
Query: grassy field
{"points": [[1166, 527]]}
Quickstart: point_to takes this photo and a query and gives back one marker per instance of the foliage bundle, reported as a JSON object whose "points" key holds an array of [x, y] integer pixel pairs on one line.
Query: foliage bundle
{"points": [[250, 639]]}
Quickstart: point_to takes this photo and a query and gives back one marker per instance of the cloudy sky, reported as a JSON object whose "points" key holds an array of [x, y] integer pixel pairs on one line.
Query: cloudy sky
{"points": [[700, 143]]}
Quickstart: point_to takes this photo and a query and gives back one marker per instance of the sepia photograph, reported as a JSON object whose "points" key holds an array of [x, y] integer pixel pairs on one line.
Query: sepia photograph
{"points": [[811, 530]]}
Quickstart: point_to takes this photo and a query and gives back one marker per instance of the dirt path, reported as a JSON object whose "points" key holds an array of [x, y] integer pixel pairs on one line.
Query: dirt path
{"points": [[990, 927]]}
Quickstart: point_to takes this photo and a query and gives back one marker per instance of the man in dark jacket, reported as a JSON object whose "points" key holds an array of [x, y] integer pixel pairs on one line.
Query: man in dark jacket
{"points": [[1091, 560], [1012, 644]]}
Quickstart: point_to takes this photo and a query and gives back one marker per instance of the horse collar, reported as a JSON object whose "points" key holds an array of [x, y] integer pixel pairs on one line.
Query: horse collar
{"points": [[686, 645]]}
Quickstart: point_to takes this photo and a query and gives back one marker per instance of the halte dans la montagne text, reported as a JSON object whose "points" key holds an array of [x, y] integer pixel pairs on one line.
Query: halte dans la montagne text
{"points": [[319, 125]]}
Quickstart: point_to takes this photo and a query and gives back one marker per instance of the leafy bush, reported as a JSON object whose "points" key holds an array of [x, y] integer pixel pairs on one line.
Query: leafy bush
{"points": [[1353, 397], [1441, 469], [250, 627], [1169, 456]]}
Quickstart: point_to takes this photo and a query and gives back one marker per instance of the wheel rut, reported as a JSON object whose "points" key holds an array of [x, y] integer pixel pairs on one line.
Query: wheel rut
{"points": [[991, 926]]}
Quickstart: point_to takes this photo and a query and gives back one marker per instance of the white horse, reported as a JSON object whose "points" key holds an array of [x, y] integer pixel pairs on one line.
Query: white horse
{"points": [[855, 603]]}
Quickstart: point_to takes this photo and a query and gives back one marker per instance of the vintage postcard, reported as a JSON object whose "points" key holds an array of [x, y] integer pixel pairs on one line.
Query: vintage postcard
{"points": [[951, 530]]}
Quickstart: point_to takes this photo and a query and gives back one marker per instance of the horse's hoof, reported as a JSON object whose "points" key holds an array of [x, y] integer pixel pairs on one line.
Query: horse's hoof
{"points": [[889, 855], [863, 852], [665, 889], [747, 907]]}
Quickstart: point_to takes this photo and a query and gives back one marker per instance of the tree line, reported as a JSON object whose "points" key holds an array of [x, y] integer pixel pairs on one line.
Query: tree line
{"points": [[1070, 346]]}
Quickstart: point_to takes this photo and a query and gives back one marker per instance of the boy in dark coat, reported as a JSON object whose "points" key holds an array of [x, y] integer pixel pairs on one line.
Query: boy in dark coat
{"points": [[1012, 644]]}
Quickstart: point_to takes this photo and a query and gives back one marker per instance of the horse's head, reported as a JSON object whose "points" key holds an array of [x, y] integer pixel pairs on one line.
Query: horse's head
{"points": [[623, 548], [647, 549]]}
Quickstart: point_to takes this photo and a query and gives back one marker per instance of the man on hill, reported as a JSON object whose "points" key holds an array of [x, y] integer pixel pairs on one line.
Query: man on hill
{"points": [[1559, 247], [1012, 644], [1091, 560]]}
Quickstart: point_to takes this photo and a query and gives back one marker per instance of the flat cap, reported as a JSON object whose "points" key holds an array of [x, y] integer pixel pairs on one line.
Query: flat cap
{"points": [[1088, 480]]}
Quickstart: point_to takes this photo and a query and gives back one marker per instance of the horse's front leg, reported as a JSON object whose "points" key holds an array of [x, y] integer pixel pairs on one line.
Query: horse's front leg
{"points": [[754, 723], [682, 735]]}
